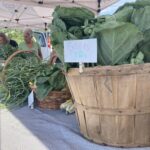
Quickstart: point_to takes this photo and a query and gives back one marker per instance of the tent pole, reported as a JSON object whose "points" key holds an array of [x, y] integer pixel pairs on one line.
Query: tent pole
{"points": [[99, 6]]}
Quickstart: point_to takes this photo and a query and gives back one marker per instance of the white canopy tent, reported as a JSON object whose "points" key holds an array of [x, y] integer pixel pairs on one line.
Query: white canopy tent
{"points": [[37, 14]]}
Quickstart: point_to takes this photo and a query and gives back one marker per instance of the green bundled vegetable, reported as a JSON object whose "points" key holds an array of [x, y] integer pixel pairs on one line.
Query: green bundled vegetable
{"points": [[144, 46], [136, 5], [67, 24], [124, 14], [141, 18], [73, 16], [16, 77], [118, 35], [139, 59], [51, 78], [116, 41], [21, 71], [4, 93], [6, 51]]}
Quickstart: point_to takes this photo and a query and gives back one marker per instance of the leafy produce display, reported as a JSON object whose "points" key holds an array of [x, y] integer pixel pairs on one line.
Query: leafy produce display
{"points": [[122, 37], [6, 51], [49, 78], [15, 78], [66, 24], [4, 93]]}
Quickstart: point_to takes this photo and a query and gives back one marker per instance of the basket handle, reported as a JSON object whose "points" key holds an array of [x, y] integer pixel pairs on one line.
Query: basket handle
{"points": [[53, 58], [16, 53]]}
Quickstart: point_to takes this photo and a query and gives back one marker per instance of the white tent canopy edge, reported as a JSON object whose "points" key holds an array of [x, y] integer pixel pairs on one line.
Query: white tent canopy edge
{"points": [[37, 14]]}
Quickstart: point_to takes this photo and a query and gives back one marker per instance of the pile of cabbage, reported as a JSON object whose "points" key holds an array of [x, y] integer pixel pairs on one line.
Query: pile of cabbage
{"points": [[123, 37]]}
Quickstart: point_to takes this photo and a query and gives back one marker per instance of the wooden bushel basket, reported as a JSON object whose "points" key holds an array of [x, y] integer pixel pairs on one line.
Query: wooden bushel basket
{"points": [[113, 104], [54, 100]]}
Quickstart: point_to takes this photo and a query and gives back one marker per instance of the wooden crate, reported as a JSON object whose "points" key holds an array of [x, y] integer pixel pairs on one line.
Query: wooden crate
{"points": [[113, 104]]}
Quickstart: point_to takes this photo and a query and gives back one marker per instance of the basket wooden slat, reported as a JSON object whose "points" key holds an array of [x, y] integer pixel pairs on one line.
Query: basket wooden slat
{"points": [[113, 104]]}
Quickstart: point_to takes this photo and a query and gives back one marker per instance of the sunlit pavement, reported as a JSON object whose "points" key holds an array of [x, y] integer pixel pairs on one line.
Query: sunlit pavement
{"points": [[15, 136]]}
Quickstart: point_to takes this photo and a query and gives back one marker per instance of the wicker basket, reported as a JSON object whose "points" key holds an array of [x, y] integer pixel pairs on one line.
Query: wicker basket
{"points": [[54, 100], [16, 53], [113, 104]]}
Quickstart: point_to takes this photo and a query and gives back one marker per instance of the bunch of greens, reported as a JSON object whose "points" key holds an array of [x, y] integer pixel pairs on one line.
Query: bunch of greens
{"points": [[66, 24], [50, 78], [15, 78], [6, 51], [121, 36]]}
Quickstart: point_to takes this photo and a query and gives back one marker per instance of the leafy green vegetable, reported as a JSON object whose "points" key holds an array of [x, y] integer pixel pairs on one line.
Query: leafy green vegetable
{"points": [[144, 46], [124, 14], [116, 40], [54, 81], [42, 91], [141, 18], [60, 24], [6, 51], [58, 37], [142, 3], [76, 31], [138, 59], [137, 5], [4, 93], [17, 75], [118, 35], [66, 24], [21, 70], [73, 16]]}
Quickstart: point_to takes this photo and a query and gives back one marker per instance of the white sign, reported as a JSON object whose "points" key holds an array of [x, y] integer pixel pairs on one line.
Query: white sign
{"points": [[31, 100], [84, 51]]}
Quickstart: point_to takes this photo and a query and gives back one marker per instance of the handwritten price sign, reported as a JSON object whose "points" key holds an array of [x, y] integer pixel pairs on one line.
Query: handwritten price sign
{"points": [[84, 51]]}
